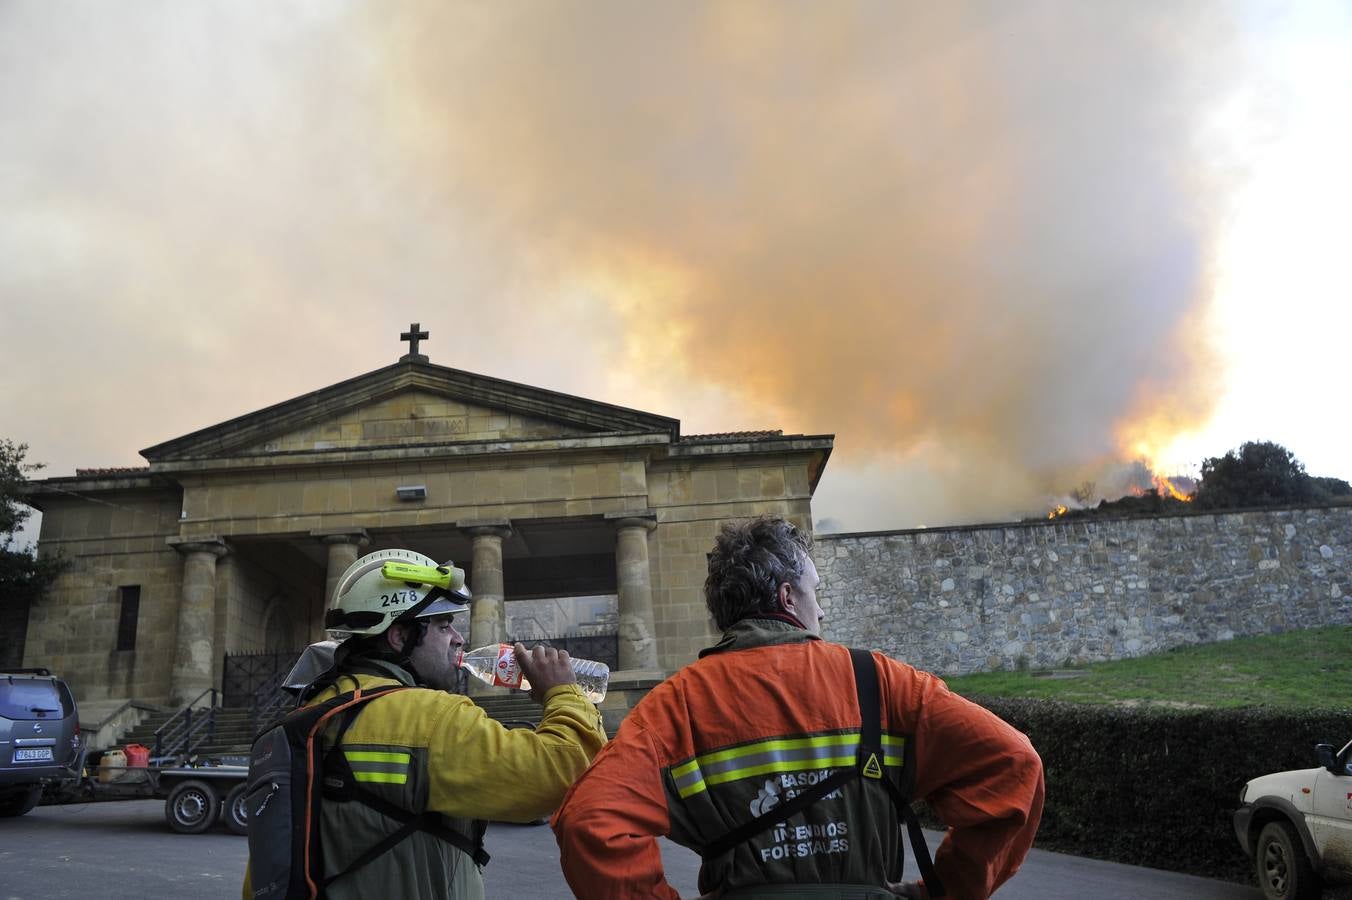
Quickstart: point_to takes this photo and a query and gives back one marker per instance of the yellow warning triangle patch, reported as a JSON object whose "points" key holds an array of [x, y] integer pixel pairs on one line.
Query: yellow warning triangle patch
{"points": [[871, 768]]}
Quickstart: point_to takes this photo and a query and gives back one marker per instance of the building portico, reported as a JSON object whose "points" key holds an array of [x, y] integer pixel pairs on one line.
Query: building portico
{"points": [[577, 514]]}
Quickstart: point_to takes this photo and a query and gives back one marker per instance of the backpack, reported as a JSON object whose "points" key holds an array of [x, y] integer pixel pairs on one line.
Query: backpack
{"points": [[291, 774], [867, 765]]}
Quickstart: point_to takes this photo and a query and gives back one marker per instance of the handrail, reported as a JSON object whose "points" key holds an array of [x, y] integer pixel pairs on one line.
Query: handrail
{"points": [[178, 739], [126, 705], [268, 700], [272, 709], [133, 703], [266, 696]]}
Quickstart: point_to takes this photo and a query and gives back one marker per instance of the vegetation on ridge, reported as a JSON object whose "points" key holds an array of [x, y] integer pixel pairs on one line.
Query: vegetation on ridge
{"points": [[1309, 669], [1257, 474]]}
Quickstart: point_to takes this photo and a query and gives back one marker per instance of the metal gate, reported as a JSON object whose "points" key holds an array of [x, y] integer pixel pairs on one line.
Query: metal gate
{"points": [[250, 677], [600, 647]]}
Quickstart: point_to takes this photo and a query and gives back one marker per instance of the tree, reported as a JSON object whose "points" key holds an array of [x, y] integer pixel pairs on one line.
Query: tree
{"points": [[1259, 473], [23, 574], [1330, 488], [1084, 494]]}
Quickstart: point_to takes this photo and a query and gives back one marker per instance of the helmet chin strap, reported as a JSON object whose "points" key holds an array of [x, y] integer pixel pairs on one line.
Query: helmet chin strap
{"points": [[406, 657], [416, 639], [410, 617]]}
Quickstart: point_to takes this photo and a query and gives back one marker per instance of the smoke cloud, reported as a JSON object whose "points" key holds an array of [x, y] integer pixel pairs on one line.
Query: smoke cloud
{"points": [[971, 240], [968, 240]]}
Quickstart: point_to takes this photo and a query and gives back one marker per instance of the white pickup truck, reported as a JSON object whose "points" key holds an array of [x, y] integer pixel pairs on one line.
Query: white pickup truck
{"points": [[1297, 826]]}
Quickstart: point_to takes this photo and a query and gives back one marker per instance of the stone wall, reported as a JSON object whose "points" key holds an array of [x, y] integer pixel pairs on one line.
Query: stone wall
{"points": [[296, 501], [13, 631], [115, 543], [979, 598], [691, 498], [265, 613], [242, 598]]}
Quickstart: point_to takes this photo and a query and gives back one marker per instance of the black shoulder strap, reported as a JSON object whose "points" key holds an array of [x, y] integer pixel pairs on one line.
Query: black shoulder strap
{"points": [[871, 756], [429, 822], [341, 786], [868, 764]]}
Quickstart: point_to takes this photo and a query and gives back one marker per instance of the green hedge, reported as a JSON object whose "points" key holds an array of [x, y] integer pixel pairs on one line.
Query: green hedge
{"points": [[1156, 786]]}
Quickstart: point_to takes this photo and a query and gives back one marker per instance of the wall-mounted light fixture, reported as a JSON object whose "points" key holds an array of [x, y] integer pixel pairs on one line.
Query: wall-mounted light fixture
{"points": [[411, 492]]}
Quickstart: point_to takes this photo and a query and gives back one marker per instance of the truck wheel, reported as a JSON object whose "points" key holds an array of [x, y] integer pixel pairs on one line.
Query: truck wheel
{"points": [[21, 803], [1284, 873], [192, 807], [236, 812]]}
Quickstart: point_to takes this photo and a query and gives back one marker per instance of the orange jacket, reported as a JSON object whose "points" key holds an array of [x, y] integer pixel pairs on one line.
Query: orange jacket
{"points": [[734, 733]]}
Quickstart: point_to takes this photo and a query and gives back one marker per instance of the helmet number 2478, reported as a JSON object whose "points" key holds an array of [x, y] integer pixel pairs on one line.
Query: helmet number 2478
{"points": [[398, 597]]}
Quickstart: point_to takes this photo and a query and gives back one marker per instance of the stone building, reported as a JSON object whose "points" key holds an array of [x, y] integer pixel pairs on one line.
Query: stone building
{"points": [[232, 537]]}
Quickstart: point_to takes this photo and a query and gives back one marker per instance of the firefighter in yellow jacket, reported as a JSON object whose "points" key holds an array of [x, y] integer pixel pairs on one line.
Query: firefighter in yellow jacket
{"points": [[430, 751]]}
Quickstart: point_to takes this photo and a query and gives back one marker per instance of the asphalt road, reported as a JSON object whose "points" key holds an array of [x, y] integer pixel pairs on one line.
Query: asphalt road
{"points": [[124, 850]]}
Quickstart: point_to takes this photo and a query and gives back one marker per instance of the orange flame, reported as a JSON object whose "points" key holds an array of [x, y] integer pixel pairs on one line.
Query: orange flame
{"points": [[1057, 512], [1167, 488]]}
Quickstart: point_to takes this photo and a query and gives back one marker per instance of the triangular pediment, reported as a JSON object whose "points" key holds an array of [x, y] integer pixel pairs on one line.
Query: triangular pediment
{"points": [[410, 404], [416, 416]]}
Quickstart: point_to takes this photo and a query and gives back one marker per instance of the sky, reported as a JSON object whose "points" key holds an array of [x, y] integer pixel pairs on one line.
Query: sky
{"points": [[998, 249]]}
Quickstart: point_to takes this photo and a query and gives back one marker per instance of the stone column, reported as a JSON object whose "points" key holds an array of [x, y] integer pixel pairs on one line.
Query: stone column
{"points": [[344, 547], [488, 618], [195, 645], [638, 633], [227, 615]]}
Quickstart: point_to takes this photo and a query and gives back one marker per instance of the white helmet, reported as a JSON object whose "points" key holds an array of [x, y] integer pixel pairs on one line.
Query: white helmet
{"points": [[365, 602]]}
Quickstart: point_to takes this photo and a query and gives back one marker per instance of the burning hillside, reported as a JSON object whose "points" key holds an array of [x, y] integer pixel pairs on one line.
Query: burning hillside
{"points": [[1136, 490]]}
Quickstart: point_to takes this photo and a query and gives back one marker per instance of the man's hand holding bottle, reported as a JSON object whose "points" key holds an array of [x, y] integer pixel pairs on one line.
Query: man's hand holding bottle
{"points": [[544, 667]]}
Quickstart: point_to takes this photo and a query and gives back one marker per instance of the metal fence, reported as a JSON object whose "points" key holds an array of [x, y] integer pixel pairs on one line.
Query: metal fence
{"points": [[247, 677]]}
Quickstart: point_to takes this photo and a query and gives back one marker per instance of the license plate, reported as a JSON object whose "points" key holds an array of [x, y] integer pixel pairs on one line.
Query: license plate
{"points": [[42, 753]]}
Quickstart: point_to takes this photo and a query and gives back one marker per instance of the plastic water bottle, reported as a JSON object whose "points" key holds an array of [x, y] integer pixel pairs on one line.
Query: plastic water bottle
{"points": [[496, 665]]}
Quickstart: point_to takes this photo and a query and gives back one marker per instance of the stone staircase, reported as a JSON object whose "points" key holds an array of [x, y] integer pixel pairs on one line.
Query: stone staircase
{"points": [[231, 735], [511, 709]]}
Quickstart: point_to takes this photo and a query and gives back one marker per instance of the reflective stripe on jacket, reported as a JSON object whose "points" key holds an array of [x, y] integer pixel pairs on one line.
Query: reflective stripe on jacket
{"points": [[768, 712], [427, 750]]}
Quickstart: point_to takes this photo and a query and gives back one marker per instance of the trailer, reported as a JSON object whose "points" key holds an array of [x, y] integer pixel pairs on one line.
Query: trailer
{"points": [[195, 797]]}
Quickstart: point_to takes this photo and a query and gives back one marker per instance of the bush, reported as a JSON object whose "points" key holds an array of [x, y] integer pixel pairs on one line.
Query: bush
{"points": [[1157, 787]]}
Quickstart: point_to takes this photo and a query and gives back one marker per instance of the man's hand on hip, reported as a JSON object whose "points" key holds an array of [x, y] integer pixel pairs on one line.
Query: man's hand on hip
{"points": [[544, 667]]}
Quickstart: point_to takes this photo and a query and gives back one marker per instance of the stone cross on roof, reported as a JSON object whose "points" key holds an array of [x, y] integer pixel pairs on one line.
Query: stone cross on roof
{"points": [[413, 336]]}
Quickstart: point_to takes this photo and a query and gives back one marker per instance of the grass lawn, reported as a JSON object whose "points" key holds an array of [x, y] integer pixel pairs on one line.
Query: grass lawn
{"points": [[1299, 669]]}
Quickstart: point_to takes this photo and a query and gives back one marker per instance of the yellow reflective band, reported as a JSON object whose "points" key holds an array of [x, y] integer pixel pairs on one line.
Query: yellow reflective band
{"points": [[686, 769], [790, 765], [830, 740], [778, 755], [382, 777], [686, 793], [376, 756]]}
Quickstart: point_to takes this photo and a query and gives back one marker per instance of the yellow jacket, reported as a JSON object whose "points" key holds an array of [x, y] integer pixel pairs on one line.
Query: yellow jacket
{"points": [[427, 750]]}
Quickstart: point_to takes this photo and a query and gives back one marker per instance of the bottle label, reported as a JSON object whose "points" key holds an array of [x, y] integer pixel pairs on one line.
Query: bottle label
{"points": [[506, 673]]}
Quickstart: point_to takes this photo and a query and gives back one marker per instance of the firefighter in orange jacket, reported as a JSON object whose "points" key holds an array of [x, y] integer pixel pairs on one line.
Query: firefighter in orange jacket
{"points": [[769, 711]]}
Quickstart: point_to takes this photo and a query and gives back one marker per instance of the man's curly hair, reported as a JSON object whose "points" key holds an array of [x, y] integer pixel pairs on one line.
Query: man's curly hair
{"points": [[751, 559]]}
